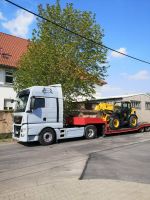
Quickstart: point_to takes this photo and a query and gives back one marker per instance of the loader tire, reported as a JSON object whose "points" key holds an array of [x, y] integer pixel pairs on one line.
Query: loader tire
{"points": [[133, 121], [114, 123]]}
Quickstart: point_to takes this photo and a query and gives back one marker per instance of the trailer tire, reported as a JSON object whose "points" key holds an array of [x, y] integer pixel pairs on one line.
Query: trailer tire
{"points": [[90, 132], [141, 130], [147, 129], [47, 136]]}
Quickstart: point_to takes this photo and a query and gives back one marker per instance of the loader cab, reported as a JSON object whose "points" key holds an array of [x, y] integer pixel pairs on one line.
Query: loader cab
{"points": [[123, 115], [123, 107]]}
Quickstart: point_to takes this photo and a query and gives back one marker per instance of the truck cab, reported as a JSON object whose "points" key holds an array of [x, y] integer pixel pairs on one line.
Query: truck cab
{"points": [[36, 109]]}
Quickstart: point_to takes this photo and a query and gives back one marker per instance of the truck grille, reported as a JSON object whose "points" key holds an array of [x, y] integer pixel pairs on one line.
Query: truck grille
{"points": [[17, 131], [17, 119]]}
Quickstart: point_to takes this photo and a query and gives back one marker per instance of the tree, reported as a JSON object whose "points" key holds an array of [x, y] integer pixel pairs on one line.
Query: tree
{"points": [[57, 56]]}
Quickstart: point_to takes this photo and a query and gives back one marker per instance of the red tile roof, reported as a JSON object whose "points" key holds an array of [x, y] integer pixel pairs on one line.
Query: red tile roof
{"points": [[11, 49]]}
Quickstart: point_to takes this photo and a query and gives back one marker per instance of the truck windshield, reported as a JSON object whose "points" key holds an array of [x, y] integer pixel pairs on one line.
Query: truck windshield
{"points": [[21, 101]]}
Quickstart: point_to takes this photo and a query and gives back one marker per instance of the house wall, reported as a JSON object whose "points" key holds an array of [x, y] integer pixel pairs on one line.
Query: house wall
{"points": [[6, 93], [6, 90]]}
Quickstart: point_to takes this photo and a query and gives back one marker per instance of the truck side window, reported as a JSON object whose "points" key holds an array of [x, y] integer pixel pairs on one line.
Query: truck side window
{"points": [[39, 103]]}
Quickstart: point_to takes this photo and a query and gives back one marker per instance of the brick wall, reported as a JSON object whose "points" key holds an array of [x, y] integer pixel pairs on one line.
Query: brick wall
{"points": [[5, 122]]}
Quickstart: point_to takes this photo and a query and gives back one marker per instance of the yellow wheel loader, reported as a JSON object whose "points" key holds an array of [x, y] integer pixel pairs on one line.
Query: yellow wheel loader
{"points": [[119, 114]]}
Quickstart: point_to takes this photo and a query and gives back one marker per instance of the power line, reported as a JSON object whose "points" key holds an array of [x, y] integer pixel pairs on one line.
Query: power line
{"points": [[72, 32]]}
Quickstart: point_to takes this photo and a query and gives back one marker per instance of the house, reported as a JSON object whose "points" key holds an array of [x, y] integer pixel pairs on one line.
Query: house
{"points": [[11, 49], [141, 102]]}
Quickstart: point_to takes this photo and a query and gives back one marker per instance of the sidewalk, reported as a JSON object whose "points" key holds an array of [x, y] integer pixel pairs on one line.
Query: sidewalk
{"points": [[82, 189]]}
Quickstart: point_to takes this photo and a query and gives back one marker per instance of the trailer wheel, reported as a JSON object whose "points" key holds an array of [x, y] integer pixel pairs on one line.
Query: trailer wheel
{"points": [[47, 136], [147, 129], [90, 132], [141, 130]]}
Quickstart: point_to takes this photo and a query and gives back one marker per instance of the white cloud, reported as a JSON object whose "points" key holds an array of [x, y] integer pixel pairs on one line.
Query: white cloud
{"points": [[2, 16], [141, 75], [117, 55], [19, 26]]}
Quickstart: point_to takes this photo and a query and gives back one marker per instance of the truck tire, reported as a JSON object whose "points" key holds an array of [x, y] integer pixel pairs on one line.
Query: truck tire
{"points": [[90, 132], [141, 130], [133, 121], [114, 122], [47, 136]]}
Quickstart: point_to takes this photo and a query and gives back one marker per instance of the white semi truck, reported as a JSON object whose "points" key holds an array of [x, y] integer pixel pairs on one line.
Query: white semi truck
{"points": [[38, 116]]}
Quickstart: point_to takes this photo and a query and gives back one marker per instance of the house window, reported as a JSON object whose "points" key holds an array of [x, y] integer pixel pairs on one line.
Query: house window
{"points": [[6, 55], [9, 77], [136, 104], [8, 104], [147, 105]]}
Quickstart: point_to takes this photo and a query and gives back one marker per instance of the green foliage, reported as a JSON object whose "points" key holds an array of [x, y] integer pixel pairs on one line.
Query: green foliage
{"points": [[57, 56]]}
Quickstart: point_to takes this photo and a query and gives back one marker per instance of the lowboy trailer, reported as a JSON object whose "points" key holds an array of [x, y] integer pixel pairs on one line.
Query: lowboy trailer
{"points": [[103, 127]]}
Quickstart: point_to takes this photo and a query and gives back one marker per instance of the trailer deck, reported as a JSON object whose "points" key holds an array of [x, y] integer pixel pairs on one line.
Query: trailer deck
{"points": [[141, 127], [84, 121]]}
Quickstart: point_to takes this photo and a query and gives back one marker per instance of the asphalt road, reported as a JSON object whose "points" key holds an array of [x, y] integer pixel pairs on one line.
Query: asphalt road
{"points": [[129, 163], [124, 157]]}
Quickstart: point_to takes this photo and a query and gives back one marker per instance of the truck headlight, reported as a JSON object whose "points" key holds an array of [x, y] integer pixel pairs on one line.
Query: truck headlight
{"points": [[23, 129]]}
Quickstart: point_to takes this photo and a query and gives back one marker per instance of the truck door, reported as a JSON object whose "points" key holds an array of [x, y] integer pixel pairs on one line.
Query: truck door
{"points": [[38, 113], [46, 111]]}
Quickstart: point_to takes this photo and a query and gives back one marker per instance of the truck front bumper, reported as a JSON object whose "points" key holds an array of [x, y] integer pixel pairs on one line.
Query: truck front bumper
{"points": [[20, 133]]}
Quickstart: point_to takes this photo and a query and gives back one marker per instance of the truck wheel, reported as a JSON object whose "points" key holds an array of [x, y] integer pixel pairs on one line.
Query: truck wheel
{"points": [[90, 132], [133, 121], [114, 122], [141, 130], [47, 136]]}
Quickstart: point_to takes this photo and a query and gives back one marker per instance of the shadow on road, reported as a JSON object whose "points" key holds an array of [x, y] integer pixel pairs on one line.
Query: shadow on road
{"points": [[35, 144], [30, 144]]}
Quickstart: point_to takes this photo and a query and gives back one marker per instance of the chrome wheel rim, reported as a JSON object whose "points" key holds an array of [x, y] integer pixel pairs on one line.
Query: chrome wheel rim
{"points": [[91, 133], [47, 137]]}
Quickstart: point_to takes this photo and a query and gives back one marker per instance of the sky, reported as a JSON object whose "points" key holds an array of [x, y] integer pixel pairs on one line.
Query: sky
{"points": [[126, 28]]}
